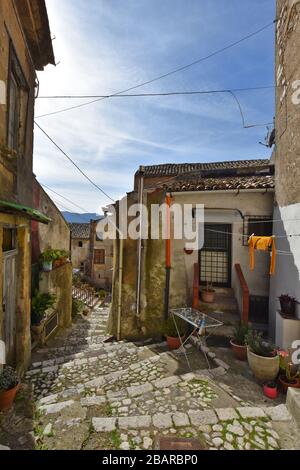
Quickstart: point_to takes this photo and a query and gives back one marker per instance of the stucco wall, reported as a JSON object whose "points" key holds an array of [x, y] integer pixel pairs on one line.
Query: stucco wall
{"points": [[56, 234], [19, 185], [287, 155], [59, 282], [100, 274], [249, 204]]}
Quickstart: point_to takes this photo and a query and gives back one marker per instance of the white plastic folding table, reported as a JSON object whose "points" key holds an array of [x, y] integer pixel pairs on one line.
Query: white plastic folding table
{"points": [[198, 320]]}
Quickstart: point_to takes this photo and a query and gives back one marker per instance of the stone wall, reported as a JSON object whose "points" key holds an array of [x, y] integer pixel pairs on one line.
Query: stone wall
{"points": [[79, 254], [59, 282]]}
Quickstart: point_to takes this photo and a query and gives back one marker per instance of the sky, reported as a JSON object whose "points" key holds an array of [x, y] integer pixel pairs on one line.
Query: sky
{"points": [[104, 46]]}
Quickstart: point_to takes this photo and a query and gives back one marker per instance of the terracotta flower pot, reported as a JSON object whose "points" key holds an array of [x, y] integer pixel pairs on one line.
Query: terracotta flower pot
{"points": [[265, 369], [284, 384], [239, 351], [270, 392], [7, 397], [174, 342], [208, 296]]}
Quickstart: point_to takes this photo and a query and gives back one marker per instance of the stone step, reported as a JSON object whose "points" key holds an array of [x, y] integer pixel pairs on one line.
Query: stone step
{"points": [[64, 350], [86, 373], [126, 371], [293, 403]]}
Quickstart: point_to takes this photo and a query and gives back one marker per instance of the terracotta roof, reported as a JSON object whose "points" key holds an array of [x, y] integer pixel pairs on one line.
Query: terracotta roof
{"points": [[218, 184], [175, 169], [80, 230]]}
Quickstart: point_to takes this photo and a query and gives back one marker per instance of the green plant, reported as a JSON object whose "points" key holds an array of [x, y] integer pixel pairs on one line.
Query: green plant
{"points": [[101, 294], [77, 306], [48, 255], [259, 346], [39, 304], [170, 328], [291, 372], [209, 287], [240, 334], [8, 378]]}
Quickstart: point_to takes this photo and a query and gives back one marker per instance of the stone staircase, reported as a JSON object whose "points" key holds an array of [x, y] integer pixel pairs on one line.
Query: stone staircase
{"points": [[95, 395]]}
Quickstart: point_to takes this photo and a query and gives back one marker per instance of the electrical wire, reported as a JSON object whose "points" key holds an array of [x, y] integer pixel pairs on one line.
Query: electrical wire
{"points": [[73, 162], [166, 93], [172, 72], [63, 197]]}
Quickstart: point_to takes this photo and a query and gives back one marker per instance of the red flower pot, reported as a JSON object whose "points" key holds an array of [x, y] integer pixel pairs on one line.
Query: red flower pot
{"points": [[174, 343], [7, 397], [239, 351], [208, 296], [270, 392]]}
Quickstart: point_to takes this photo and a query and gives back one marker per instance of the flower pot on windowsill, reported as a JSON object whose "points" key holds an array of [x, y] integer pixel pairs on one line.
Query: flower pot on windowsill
{"points": [[288, 305], [208, 296], [7, 397], [239, 351]]}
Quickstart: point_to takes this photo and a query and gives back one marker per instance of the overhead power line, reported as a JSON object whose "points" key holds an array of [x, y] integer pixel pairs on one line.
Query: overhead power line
{"points": [[166, 93], [172, 72], [73, 163], [63, 197]]}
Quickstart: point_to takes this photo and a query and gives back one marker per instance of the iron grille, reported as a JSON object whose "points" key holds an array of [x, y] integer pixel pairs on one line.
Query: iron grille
{"points": [[215, 256], [259, 309], [51, 325]]}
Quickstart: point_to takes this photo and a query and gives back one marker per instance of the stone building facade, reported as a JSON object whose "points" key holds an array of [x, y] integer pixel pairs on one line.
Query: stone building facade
{"points": [[287, 157], [25, 47], [80, 245]]}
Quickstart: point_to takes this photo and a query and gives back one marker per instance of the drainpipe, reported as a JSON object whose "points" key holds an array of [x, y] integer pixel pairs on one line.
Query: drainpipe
{"points": [[120, 288], [168, 257], [139, 254]]}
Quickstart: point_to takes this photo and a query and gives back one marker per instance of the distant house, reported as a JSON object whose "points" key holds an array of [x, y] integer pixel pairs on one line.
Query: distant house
{"points": [[80, 244], [100, 265], [238, 198]]}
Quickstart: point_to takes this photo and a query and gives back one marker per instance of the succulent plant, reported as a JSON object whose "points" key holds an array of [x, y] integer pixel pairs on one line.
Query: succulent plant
{"points": [[259, 346], [8, 378]]}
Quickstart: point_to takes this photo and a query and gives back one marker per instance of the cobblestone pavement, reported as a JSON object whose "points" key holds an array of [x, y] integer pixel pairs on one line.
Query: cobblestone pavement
{"points": [[88, 394]]}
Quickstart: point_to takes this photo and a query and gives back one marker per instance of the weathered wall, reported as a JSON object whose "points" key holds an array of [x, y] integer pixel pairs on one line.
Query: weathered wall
{"points": [[79, 254], [16, 183], [249, 204], [100, 274], [59, 282], [56, 234], [287, 156]]}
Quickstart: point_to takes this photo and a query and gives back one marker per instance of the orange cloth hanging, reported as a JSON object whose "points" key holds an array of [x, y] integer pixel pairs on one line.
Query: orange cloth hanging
{"points": [[262, 244]]}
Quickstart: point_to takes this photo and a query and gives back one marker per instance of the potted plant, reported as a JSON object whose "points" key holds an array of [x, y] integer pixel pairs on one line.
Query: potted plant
{"points": [[238, 342], [290, 377], [173, 339], [270, 390], [262, 357], [287, 305], [9, 385], [47, 258], [64, 255], [39, 304], [208, 293]]}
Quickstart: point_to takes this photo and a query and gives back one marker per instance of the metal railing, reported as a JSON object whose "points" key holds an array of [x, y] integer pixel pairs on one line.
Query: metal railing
{"points": [[85, 293]]}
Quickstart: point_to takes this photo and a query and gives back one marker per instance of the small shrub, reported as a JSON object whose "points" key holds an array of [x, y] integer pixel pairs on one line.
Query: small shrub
{"points": [[240, 334], [259, 346], [39, 304], [8, 378], [77, 306]]}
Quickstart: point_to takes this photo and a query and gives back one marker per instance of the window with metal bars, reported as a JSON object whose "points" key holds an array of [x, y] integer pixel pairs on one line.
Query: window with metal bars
{"points": [[99, 256], [259, 225]]}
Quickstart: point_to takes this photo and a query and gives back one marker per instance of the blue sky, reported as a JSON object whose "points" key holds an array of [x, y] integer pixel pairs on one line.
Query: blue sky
{"points": [[104, 46]]}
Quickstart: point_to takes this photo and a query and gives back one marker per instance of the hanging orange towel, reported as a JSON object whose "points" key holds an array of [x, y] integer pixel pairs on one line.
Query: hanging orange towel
{"points": [[262, 244]]}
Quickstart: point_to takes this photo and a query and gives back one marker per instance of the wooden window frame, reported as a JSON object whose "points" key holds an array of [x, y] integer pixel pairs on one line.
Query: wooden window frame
{"points": [[99, 259]]}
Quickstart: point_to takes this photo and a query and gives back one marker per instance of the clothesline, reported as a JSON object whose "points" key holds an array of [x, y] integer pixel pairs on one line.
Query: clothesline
{"points": [[247, 236]]}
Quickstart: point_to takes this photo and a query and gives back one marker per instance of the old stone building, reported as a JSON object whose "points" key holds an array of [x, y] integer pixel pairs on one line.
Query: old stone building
{"points": [[80, 245], [25, 47], [100, 263], [148, 281], [287, 158]]}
